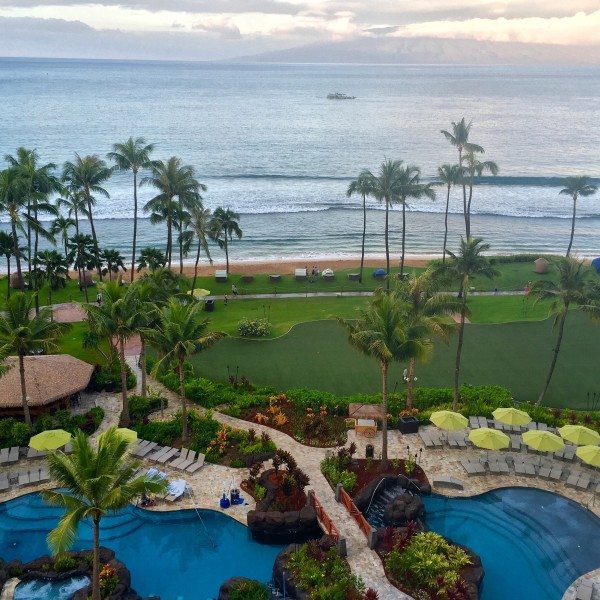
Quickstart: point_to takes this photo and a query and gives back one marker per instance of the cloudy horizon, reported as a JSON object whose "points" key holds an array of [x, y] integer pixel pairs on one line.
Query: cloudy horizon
{"points": [[221, 29]]}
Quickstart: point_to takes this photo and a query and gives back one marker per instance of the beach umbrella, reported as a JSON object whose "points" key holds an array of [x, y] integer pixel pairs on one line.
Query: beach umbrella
{"points": [[580, 435], [50, 439], [511, 416], [200, 293], [129, 435], [544, 441], [589, 455], [489, 439], [446, 419]]}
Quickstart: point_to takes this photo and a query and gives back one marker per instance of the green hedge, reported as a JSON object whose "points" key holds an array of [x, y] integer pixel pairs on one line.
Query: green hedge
{"points": [[105, 379], [140, 407]]}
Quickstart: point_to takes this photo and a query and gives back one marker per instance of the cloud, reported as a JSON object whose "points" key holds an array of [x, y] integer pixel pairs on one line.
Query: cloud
{"points": [[222, 26]]}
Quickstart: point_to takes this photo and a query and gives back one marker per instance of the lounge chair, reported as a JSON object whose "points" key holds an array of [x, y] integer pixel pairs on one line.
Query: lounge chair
{"points": [[542, 427], [545, 471], [585, 590], [13, 455], [221, 276], [583, 482], [556, 472], [23, 479], [4, 483], [176, 490], [515, 442], [426, 439], [158, 453], [531, 426], [572, 479], [147, 449], [437, 440], [474, 422], [300, 274], [182, 458], [191, 457], [44, 475], [498, 467], [196, 465], [570, 452], [171, 453], [34, 476], [33, 453], [153, 472], [483, 422], [4, 455], [450, 482], [472, 468]]}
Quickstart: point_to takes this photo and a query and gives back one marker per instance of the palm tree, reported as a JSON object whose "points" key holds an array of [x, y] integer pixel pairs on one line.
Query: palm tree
{"points": [[409, 186], [223, 226], [179, 332], [54, 269], [151, 259], [21, 333], [7, 249], [172, 180], [572, 288], [459, 138], [62, 226], [476, 168], [114, 261], [448, 175], [384, 187], [87, 174], [381, 332], [200, 223], [81, 247], [361, 185], [181, 220], [11, 202], [74, 201], [94, 481], [133, 155], [468, 262], [576, 187], [116, 319], [429, 315]]}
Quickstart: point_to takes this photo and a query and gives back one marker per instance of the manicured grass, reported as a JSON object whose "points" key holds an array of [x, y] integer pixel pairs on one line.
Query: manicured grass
{"points": [[71, 342], [506, 309], [516, 355]]}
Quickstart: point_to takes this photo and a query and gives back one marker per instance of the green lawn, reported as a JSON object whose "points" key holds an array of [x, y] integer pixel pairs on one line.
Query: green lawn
{"points": [[516, 355], [71, 343]]}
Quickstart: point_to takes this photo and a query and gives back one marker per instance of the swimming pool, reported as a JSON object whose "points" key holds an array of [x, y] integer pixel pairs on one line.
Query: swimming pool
{"points": [[169, 554], [532, 543]]}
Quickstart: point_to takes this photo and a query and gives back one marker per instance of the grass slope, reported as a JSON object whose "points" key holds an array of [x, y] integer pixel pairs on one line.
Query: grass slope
{"points": [[516, 355]]}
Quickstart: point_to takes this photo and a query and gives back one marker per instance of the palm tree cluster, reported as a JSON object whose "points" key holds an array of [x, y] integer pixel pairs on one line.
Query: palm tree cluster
{"points": [[43, 203]]}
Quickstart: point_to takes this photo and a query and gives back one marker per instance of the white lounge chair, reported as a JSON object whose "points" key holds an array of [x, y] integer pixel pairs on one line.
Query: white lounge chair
{"points": [[168, 455], [221, 276], [182, 458], [197, 465], [176, 490], [191, 457], [300, 274]]}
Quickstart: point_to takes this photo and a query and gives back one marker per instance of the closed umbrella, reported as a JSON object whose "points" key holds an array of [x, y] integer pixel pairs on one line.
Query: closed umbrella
{"points": [[580, 435], [490, 439], [446, 419], [511, 416], [543, 441], [200, 293], [50, 439], [589, 455], [129, 435]]}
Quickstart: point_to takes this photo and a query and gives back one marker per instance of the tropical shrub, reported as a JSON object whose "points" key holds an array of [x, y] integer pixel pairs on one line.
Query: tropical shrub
{"points": [[108, 581], [63, 563], [140, 407], [109, 379], [249, 590], [13, 433], [335, 473], [254, 327]]}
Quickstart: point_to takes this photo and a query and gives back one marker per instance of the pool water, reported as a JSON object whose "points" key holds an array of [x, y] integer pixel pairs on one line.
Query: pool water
{"points": [[174, 555], [49, 590], [532, 543]]}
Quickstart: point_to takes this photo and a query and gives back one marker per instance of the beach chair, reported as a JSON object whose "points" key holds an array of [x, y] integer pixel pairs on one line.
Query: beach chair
{"points": [[545, 471], [33, 453], [34, 476], [572, 479], [176, 490], [473, 423], [515, 443], [158, 453], [171, 453], [23, 479], [196, 465], [585, 590], [4, 455], [483, 422], [472, 468], [556, 472], [191, 457], [426, 439], [300, 274], [147, 449], [4, 483], [44, 475], [182, 458], [498, 467], [531, 426], [542, 427], [13, 455], [569, 452], [583, 483], [221, 276], [436, 438]]}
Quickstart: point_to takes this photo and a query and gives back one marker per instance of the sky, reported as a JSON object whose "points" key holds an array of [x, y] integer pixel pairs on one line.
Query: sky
{"points": [[218, 29]]}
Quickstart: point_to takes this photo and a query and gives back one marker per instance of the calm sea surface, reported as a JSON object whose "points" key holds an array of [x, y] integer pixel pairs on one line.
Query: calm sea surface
{"points": [[267, 142]]}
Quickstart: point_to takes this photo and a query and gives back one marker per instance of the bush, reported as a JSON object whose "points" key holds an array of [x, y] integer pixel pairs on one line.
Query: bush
{"points": [[13, 433], [105, 379], [140, 407], [249, 590], [335, 473], [254, 327], [63, 563]]}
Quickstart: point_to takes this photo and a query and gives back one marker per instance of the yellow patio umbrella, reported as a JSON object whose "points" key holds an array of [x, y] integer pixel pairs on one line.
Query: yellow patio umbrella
{"points": [[50, 439], [580, 435], [200, 293], [544, 441], [511, 416], [490, 439], [129, 435], [446, 419], [589, 455]]}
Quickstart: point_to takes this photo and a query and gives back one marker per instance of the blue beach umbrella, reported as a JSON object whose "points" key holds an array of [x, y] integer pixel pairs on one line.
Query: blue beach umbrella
{"points": [[596, 265]]}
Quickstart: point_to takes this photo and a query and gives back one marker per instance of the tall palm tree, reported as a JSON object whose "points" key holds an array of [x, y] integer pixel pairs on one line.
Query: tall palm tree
{"points": [[429, 315], [572, 288], [152, 259], [74, 201], [409, 186], [62, 226], [116, 319], [200, 223], [181, 220], [468, 262], [114, 261], [7, 249], [180, 332], [21, 333], [133, 155], [384, 187], [448, 175], [476, 168], [459, 138], [88, 174], [576, 187], [223, 226], [173, 180], [81, 246], [54, 269], [381, 332], [11, 202], [362, 185], [92, 482]]}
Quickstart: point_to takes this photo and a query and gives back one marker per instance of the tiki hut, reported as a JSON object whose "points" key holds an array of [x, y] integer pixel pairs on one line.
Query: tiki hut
{"points": [[53, 381]]}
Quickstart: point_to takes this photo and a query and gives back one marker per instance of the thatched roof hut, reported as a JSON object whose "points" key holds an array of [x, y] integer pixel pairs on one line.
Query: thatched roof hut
{"points": [[51, 381]]}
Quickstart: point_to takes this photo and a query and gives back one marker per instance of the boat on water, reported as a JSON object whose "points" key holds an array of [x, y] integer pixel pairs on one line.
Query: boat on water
{"points": [[340, 96]]}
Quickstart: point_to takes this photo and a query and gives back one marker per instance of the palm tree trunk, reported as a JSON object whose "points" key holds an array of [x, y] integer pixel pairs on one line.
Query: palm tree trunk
{"points": [[559, 337], [96, 561], [184, 428], [181, 251], [65, 242], [8, 273], [364, 234], [446, 225], [17, 253], [384, 405], [124, 420], [29, 239], [110, 272], [144, 389], [572, 225], [403, 237], [410, 383], [226, 254], [169, 231], [76, 220], [196, 268], [96, 249], [387, 245], [468, 219], [135, 216], [464, 189], [24, 391], [461, 335]]}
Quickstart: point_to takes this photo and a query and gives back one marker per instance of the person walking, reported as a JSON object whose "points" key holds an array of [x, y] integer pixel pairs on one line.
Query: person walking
{"points": [[234, 290], [225, 300]]}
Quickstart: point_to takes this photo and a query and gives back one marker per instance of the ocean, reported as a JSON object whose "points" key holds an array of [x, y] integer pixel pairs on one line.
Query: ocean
{"points": [[268, 143]]}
